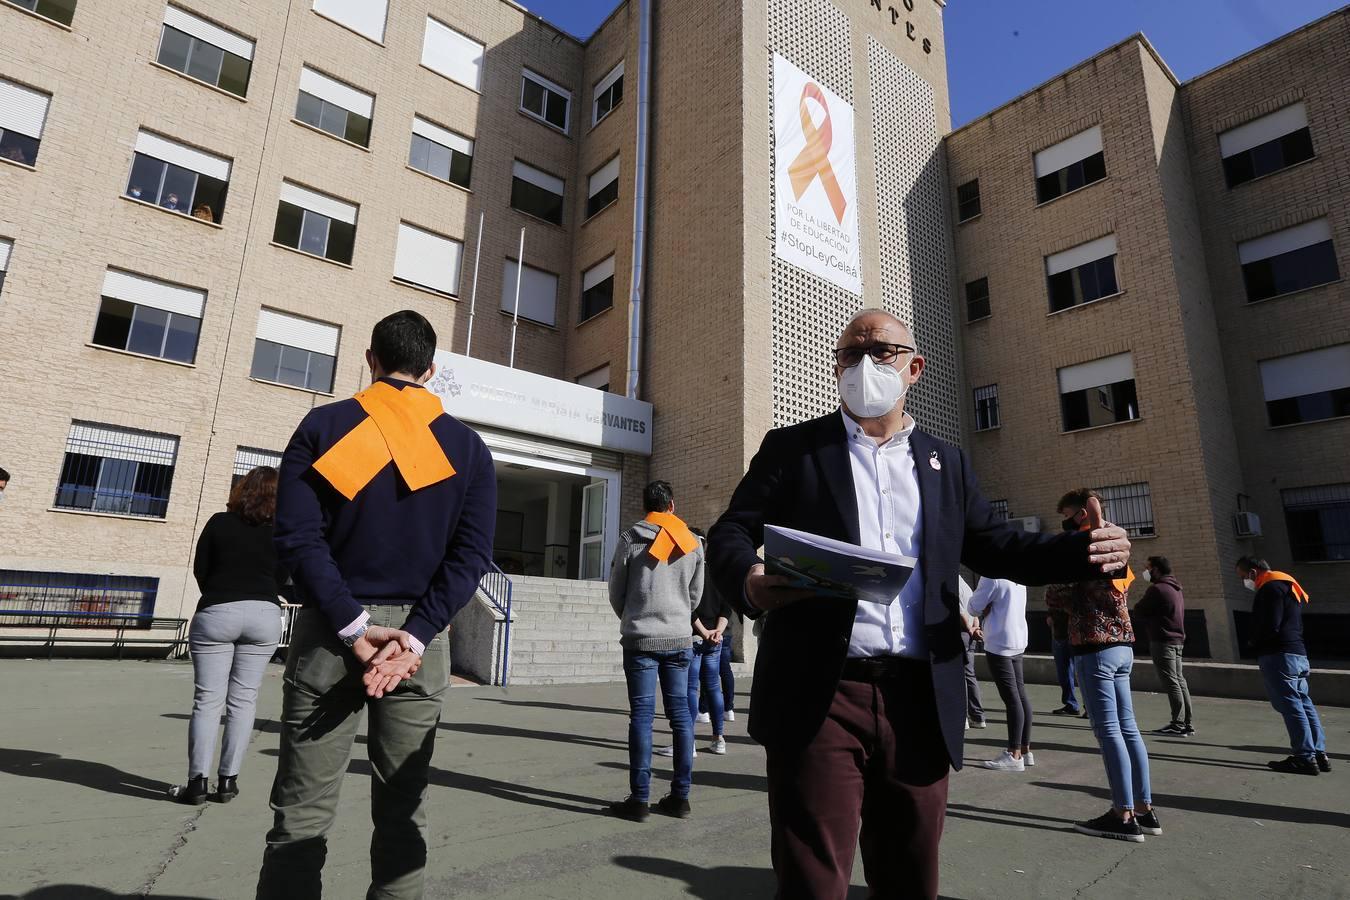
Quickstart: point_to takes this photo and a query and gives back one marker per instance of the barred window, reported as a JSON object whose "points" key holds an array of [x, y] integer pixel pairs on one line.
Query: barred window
{"points": [[102, 601], [246, 459], [1130, 506], [1318, 519], [1000, 509], [117, 470], [986, 407]]}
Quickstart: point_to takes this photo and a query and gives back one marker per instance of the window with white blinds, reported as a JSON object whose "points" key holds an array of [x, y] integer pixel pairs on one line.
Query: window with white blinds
{"points": [[315, 223], [154, 293], [1289, 260], [1069, 165], [5, 247], [181, 155], [1307, 387], [295, 351], [23, 114], [297, 331], [428, 259], [440, 152], [178, 178], [120, 471], [537, 192], [323, 204], [607, 93], [597, 288], [456, 56], [205, 51], [538, 293], [1100, 392], [603, 187], [334, 106], [1082, 274], [246, 459], [1266, 145], [365, 17]]}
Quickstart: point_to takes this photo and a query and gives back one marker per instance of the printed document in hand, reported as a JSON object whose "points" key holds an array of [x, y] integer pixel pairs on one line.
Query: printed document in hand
{"points": [[835, 568]]}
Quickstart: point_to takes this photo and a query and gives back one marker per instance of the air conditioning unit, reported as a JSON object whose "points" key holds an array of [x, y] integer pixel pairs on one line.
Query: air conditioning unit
{"points": [[1247, 524], [1028, 523]]}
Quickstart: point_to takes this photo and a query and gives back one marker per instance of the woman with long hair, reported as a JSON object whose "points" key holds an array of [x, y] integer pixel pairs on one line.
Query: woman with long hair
{"points": [[234, 632]]}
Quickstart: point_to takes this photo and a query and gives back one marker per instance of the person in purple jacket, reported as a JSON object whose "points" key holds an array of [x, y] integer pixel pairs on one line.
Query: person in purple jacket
{"points": [[1162, 612]]}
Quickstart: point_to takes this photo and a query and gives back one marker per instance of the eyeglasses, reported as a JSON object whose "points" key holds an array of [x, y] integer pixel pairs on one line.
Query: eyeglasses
{"points": [[882, 354]]}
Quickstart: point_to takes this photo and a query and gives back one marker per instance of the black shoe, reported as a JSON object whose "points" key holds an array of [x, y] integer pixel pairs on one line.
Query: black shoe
{"points": [[193, 793], [1323, 762], [1188, 730], [1148, 822], [1294, 765], [1082, 714], [227, 788], [1064, 710], [630, 809], [673, 806], [1109, 826], [1172, 729]]}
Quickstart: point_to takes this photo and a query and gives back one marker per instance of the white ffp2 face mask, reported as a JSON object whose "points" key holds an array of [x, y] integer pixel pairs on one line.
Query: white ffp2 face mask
{"points": [[870, 390], [1147, 576], [1249, 583]]}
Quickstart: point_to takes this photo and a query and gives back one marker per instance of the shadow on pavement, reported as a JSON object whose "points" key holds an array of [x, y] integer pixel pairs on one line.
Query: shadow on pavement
{"points": [[1018, 820], [718, 882], [264, 726], [1222, 806], [732, 781], [95, 775], [508, 731], [83, 892], [565, 707]]}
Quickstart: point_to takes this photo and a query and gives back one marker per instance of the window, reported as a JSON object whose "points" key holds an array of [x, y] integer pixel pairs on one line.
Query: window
{"points": [[427, 259], [1307, 387], [315, 223], [204, 51], [986, 407], [538, 293], [1082, 274], [440, 153], [603, 187], [449, 53], [597, 288], [150, 317], [5, 247], [1265, 145], [537, 193], [968, 200], [544, 100], [246, 459], [607, 94], [1000, 508], [62, 11], [117, 470], [1290, 260], [1100, 392], [977, 299], [365, 17], [335, 107], [295, 351], [178, 178], [102, 601], [1130, 506], [1318, 519], [596, 378], [1070, 165], [23, 114]]}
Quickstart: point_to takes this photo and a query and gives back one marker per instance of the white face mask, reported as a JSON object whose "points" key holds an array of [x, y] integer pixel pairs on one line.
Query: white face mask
{"points": [[1249, 583], [870, 390], [1147, 576]]}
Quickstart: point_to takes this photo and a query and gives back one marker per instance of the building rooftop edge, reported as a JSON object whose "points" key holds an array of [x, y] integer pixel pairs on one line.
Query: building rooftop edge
{"points": [[1343, 11]]}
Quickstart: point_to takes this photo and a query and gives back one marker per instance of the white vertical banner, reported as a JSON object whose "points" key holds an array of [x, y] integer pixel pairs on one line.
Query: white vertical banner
{"points": [[815, 178]]}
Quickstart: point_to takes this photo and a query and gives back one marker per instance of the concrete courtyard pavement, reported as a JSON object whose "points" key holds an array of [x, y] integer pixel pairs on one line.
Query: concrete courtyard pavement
{"points": [[87, 749]]}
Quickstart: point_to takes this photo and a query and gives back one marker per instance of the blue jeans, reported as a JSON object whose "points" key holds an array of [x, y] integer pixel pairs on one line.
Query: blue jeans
{"points": [[1104, 678], [1286, 677], [1064, 671], [643, 670], [705, 670]]}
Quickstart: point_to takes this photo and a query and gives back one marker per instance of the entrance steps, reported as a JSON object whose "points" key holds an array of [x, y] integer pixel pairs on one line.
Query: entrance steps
{"points": [[563, 632]]}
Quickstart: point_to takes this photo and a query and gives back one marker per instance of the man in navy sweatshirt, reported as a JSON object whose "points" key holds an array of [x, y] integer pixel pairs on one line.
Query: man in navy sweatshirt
{"points": [[385, 513]]}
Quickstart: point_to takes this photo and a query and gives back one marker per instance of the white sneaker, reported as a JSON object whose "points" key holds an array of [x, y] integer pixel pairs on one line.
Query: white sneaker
{"points": [[1029, 758], [729, 716], [669, 751], [704, 719], [718, 746], [1006, 762]]}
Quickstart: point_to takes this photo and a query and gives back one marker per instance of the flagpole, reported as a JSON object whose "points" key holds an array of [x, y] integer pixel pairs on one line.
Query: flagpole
{"points": [[515, 313], [473, 296]]}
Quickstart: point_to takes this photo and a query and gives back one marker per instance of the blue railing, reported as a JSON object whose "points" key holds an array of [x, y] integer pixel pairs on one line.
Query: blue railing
{"points": [[496, 586]]}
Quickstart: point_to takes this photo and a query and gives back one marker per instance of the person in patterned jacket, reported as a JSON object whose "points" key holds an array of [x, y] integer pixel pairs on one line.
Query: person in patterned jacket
{"points": [[1101, 642]]}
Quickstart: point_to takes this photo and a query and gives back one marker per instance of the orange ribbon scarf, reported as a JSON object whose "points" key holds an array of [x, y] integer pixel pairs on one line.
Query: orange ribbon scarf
{"points": [[397, 428], [814, 158], [671, 533], [1299, 592], [1122, 584]]}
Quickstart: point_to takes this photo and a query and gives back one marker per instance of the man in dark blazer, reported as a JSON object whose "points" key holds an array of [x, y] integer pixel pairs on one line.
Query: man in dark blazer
{"points": [[861, 707]]}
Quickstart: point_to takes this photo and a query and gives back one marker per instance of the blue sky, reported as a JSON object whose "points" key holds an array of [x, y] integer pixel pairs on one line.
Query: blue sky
{"points": [[997, 49]]}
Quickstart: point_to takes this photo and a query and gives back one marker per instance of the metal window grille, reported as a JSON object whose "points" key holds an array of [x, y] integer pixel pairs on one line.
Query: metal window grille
{"points": [[1000, 508], [246, 459], [1318, 519], [117, 470], [1130, 506], [107, 600], [986, 407]]}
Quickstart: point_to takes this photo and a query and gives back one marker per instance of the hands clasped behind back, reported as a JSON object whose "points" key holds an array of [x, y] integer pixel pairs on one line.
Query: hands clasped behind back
{"points": [[388, 657]]}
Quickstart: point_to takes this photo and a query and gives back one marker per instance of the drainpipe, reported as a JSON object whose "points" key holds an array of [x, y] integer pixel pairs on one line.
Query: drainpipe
{"points": [[640, 180]]}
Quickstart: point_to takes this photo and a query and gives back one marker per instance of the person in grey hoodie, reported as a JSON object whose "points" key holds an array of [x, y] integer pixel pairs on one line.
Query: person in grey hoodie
{"points": [[655, 582]]}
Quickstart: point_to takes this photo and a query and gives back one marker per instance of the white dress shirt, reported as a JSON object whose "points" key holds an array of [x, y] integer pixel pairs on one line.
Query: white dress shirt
{"points": [[886, 484]]}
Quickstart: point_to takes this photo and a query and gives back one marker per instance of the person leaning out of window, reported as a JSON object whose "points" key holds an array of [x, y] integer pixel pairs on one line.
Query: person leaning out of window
{"points": [[234, 632]]}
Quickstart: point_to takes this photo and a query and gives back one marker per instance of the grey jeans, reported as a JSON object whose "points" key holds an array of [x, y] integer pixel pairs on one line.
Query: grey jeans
{"points": [[1167, 660], [231, 644]]}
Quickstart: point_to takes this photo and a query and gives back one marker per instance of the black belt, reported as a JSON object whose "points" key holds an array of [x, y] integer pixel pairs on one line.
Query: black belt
{"points": [[873, 669]]}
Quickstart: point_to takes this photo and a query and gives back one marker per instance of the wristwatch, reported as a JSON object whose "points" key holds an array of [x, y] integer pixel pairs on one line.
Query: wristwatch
{"points": [[351, 639]]}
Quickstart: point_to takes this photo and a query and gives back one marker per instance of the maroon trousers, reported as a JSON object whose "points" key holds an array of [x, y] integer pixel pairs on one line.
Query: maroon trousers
{"points": [[878, 762]]}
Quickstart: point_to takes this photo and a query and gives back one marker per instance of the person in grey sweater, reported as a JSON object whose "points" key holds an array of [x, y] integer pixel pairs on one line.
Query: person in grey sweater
{"points": [[655, 582]]}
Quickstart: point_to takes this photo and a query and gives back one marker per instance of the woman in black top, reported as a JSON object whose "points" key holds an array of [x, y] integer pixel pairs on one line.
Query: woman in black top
{"points": [[234, 633]]}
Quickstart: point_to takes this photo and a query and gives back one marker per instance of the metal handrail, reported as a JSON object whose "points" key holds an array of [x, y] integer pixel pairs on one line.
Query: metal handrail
{"points": [[496, 586]]}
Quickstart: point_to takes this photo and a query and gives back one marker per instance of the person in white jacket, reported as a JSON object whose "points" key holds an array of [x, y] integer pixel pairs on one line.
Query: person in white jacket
{"points": [[1001, 607]]}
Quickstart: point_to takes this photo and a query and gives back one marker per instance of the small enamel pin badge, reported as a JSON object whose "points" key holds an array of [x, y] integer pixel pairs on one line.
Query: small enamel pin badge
{"points": [[934, 461]]}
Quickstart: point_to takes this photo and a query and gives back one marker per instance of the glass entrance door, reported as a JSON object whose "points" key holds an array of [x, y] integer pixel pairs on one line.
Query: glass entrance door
{"points": [[593, 530]]}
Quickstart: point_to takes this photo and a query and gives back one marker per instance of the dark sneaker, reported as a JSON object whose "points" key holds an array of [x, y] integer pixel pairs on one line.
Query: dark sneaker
{"points": [[1148, 822], [1294, 765], [1065, 710], [1323, 762], [1108, 826], [673, 806], [630, 809], [1172, 729], [1189, 730]]}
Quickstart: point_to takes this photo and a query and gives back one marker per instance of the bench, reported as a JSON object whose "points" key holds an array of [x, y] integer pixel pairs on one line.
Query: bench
{"points": [[127, 628]]}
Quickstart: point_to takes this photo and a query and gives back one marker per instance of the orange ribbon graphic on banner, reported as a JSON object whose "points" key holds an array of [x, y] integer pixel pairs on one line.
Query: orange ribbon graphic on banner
{"points": [[814, 160]]}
